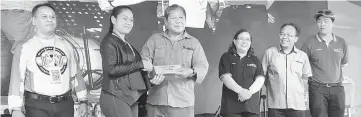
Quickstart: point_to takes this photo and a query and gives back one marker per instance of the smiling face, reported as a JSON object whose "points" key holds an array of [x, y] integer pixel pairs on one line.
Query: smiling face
{"points": [[324, 24], [176, 21], [288, 36], [45, 20], [124, 21], [243, 42]]}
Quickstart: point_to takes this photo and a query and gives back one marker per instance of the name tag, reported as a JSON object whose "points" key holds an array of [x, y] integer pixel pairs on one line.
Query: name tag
{"points": [[56, 77], [251, 65], [337, 50]]}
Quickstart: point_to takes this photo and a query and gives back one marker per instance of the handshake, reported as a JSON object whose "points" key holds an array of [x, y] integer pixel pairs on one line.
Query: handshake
{"points": [[244, 95]]}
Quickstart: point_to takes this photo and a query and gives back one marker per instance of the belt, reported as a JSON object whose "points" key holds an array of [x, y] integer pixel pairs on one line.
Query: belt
{"points": [[51, 99], [327, 84]]}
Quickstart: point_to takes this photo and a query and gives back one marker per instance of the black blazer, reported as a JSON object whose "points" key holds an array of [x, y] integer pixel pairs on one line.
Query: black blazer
{"points": [[121, 69]]}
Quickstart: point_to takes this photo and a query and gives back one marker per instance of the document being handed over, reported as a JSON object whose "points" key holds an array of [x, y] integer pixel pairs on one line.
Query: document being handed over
{"points": [[167, 69]]}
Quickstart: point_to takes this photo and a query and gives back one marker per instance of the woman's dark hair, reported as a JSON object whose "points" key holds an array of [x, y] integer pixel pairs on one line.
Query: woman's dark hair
{"points": [[33, 11], [115, 12], [232, 48]]}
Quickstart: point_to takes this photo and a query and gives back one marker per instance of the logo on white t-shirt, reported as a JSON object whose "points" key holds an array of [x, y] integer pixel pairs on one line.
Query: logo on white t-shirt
{"points": [[48, 58]]}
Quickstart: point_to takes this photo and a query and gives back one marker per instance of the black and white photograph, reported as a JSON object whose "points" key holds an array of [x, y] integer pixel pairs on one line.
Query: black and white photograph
{"points": [[180, 58]]}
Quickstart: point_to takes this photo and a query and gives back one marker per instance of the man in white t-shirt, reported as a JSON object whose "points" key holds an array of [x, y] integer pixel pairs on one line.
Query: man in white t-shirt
{"points": [[45, 71]]}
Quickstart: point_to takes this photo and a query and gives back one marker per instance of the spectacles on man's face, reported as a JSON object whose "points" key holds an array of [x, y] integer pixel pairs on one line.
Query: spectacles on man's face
{"points": [[287, 35]]}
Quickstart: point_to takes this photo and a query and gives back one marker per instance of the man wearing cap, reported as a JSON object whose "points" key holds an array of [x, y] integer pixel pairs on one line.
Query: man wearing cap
{"points": [[328, 55]]}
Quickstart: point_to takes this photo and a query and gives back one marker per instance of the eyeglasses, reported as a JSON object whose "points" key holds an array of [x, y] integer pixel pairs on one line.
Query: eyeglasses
{"points": [[244, 40], [287, 35]]}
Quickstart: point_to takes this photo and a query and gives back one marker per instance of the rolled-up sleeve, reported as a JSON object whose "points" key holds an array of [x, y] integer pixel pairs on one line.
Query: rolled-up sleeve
{"points": [[16, 88], [199, 62]]}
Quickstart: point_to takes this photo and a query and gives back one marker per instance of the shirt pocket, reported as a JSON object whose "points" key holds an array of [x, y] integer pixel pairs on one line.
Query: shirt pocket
{"points": [[160, 52], [187, 53], [297, 66]]}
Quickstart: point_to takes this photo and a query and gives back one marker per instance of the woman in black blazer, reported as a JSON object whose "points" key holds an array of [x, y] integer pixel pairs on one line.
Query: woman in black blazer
{"points": [[123, 69]]}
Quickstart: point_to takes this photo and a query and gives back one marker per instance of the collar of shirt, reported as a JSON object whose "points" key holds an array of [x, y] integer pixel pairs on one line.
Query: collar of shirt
{"points": [[185, 35], [321, 40], [294, 49]]}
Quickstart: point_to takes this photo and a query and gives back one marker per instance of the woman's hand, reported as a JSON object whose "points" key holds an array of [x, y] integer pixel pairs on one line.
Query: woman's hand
{"points": [[244, 95]]}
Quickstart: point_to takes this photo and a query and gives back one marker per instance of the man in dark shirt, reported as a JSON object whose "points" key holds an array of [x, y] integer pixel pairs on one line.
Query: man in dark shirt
{"points": [[327, 54]]}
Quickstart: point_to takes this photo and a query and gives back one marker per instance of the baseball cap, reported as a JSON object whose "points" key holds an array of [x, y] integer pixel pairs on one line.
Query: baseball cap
{"points": [[325, 13]]}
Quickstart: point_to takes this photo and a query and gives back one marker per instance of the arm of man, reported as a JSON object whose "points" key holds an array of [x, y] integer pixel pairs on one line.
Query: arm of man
{"points": [[16, 87], [77, 81], [199, 62], [306, 70]]}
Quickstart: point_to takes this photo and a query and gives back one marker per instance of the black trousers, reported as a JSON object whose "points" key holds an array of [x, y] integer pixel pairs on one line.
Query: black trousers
{"points": [[285, 113], [43, 108], [326, 101]]}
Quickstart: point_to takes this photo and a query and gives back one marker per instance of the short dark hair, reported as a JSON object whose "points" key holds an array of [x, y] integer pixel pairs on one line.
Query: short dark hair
{"points": [[232, 47], [41, 5], [298, 30], [173, 7], [115, 12]]}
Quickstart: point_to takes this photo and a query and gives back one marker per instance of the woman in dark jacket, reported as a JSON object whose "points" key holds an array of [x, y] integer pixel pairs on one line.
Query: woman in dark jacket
{"points": [[242, 75], [123, 81]]}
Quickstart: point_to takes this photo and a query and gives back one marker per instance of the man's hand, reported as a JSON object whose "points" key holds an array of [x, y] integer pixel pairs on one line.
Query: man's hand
{"points": [[184, 72], [148, 66], [157, 79], [17, 113], [244, 95], [83, 109]]}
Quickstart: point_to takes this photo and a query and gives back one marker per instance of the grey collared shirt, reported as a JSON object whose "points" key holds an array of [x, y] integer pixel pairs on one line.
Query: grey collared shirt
{"points": [[286, 74], [188, 52]]}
